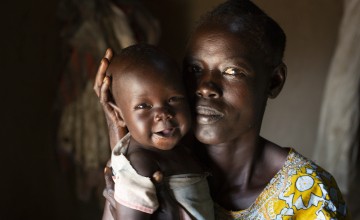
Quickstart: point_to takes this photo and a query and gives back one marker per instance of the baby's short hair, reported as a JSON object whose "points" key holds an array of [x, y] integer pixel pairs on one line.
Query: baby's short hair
{"points": [[141, 56], [142, 52], [265, 35]]}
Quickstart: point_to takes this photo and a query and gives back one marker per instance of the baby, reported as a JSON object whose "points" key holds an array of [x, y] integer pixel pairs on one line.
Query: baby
{"points": [[150, 101]]}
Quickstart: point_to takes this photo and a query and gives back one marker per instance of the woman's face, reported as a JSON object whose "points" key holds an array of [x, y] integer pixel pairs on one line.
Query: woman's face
{"points": [[231, 85]]}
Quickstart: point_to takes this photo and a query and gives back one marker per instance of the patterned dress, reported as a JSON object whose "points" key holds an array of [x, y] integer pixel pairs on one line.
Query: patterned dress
{"points": [[300, 190]]}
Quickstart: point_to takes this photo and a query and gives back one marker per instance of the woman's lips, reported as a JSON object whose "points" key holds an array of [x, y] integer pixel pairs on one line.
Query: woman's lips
{"points": [[208, 115]]}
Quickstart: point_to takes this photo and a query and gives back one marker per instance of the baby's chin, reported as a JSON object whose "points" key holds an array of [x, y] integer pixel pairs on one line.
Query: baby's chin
{"points": [[166, 139], [164, 143]]}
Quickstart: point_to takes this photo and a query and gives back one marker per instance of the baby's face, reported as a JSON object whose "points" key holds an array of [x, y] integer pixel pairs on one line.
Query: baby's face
{"points": [[153, 104]]}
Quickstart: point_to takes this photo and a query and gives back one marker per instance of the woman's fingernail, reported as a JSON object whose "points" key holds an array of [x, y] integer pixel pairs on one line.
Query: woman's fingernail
{"points": [[158, 176]]}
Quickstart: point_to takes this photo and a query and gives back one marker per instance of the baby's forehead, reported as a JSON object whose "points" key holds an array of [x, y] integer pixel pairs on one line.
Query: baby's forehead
{"points": [[132, 67], [125, 73], [144, 84]]}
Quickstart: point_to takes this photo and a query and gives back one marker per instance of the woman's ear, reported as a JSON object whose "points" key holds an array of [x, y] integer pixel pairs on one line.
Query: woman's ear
{"points": [[118, 114], [277, 80]]}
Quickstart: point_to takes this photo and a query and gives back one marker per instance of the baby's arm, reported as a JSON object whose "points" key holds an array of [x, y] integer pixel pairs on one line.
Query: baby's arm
{"points": [[123, 212], [168, 208], [134, 192], [146, 164]]}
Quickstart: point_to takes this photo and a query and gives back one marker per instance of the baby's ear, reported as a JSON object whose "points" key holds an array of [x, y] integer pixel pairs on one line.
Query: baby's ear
{"points": [[277, 80], [118, 114]]}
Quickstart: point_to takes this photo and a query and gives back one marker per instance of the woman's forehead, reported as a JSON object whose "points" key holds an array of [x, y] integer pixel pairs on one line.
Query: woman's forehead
{"points": [[215, 32], [219, 41]]}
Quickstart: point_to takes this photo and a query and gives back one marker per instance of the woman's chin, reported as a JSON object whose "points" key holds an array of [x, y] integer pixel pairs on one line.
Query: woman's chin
{"points": [[206, 135]]}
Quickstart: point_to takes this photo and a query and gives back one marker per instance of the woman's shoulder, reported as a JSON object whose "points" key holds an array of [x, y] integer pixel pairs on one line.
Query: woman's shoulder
{"points": [[305, 174], [298, 173], [307, 185], [299, 166]]}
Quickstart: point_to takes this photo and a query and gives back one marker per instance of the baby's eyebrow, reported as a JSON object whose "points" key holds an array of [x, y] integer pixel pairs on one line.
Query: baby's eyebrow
{"points": [[139, 96]]}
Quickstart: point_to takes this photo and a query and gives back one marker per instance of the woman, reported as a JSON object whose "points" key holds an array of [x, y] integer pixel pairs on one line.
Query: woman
{"points": [[235, 57]]}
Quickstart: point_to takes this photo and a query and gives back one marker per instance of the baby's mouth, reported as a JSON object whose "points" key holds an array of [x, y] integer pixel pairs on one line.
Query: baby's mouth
{"points": [[168, 132]]}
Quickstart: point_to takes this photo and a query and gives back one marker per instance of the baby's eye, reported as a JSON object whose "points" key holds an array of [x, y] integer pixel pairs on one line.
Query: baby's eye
{"points": [[176, 99], [143, 106], [231, 71]]}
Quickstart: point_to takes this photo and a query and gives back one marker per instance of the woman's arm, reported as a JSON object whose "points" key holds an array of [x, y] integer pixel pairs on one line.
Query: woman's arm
{"points": [[110, 203], [116, 132]]}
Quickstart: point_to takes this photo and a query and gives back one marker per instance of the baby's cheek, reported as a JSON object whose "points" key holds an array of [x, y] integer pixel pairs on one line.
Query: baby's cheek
{"points": [[185, 123]]}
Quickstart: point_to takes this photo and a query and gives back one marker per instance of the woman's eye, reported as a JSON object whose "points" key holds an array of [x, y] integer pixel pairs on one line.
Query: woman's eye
{"points": [[143, 106], [233, 72], [193, 69]]}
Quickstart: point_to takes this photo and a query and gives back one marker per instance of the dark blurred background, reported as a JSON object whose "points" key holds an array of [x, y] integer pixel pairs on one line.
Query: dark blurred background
{"points": [[37, 183]]}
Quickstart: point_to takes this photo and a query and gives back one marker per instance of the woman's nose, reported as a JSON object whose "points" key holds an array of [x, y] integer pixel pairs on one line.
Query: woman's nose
{"points": [[163, 113], [207, 88]]}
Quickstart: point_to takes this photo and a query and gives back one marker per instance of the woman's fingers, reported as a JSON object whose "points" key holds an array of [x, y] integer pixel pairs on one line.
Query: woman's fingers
{"points": [[105, 89], [106, 101], [109, 186], [115, 126], [158, 176], [109, 54], [101, 73], [109, 211]]}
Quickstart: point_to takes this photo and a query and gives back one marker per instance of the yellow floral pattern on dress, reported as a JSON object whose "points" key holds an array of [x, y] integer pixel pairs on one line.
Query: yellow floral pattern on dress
{"points": [[300, 190]]}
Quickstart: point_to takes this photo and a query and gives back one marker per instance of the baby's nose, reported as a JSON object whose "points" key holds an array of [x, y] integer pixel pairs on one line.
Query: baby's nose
{"points": [[163, 114]]}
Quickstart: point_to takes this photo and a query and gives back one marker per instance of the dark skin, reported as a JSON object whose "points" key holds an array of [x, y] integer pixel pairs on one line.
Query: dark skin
{"points": [[232, 88], [151, 103], [237, 85], [150, 100]]}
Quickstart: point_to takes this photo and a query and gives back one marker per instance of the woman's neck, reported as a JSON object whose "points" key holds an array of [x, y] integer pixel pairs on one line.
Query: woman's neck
{"points": [[241, 169], [234, 161]]}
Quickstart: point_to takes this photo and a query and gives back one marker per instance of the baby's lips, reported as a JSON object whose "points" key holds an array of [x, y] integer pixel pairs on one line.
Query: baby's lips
{"points": [[165, 131]]}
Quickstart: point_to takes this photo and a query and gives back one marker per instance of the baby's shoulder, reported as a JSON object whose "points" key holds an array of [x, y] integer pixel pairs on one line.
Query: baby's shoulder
{"points": [[143, 161]]}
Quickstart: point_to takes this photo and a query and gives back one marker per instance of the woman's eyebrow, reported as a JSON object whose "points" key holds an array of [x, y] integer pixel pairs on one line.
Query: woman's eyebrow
{"points": [[242, 61]]}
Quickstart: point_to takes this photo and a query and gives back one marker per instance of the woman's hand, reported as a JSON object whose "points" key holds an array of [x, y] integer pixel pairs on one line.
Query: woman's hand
{"points": [[110, 203], [102, 90]]}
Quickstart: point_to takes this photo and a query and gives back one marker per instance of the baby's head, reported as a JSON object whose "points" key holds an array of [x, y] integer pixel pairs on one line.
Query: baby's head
{"points": [[150, 97]]}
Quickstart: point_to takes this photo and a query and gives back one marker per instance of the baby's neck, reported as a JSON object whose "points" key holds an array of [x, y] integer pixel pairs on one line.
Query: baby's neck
{"points": [[178, 160]]}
